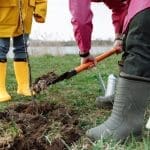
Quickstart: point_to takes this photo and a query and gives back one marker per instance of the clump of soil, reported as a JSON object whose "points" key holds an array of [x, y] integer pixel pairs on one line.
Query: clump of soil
{"points": [[44, 81], [40, 126]]}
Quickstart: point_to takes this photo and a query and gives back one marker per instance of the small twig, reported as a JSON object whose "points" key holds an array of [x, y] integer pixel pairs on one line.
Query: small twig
{"points": [[67, 146], [48, 140]]}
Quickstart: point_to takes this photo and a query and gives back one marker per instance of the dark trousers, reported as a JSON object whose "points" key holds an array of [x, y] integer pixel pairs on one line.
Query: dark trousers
{"points": [[136, 56], [19, 45]]}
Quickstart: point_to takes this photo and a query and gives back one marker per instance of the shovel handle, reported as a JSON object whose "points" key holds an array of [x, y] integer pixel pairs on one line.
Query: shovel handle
{"points": [[98, 58]]}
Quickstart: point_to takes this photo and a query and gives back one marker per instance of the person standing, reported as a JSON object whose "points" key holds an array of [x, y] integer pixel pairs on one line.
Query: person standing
{"points": [[148, 124], [15, 23], [131, 19]]}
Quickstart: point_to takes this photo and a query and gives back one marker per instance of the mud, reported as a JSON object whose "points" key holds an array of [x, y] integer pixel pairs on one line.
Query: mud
{"points": [[41, 83], [40, 126]]}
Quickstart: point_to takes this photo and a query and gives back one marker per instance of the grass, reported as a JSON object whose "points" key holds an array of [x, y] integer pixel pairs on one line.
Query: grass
{"points": [[78, 92]]}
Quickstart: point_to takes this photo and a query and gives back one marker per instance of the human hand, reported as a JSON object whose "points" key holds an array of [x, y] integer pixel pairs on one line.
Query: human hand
{"points": [[89, 58], [38, 18], [118, 43]]}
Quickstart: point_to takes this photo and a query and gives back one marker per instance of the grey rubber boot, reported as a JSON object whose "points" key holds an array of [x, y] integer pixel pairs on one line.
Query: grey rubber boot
{"points": [[128, 110], [105, 101], [148, 124]]}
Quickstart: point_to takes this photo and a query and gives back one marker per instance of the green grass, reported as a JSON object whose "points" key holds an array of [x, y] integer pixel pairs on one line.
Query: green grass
{"points": [[79, 92]]}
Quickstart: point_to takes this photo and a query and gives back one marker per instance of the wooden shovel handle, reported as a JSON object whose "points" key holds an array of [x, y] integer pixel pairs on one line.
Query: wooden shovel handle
{"points": [[98, 58]]}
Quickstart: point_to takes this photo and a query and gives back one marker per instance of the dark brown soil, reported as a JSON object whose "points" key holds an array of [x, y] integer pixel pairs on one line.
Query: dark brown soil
{"points": [[41, 83], [40, 126]]}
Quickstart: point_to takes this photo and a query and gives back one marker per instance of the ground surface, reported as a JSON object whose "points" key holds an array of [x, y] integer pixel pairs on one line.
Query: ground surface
{"points": [[42, 126]]}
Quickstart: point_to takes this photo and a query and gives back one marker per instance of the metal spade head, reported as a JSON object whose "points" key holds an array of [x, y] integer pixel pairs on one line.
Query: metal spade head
{"points": [[41, 83]]}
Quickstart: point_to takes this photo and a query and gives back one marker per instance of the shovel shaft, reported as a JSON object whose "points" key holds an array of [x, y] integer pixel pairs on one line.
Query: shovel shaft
{"points": [[99, 58]]}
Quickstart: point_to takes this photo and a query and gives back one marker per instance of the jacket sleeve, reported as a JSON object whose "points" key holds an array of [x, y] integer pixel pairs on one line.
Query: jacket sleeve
{"points": [[119, 11], [40, 10], [82, 23]]}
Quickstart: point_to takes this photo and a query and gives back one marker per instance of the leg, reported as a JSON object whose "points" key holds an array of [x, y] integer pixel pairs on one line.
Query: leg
{"points": [[128, 110], [108, 99], [148, 124], [133, 89], [21, 65], [4, 48]]}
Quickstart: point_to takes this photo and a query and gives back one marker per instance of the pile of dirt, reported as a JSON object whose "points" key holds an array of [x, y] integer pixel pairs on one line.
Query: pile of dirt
{"points": [[40, 126], [41, 83]]}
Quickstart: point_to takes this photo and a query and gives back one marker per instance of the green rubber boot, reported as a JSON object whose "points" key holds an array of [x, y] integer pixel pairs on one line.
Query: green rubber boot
{"points": [[127, 116]]}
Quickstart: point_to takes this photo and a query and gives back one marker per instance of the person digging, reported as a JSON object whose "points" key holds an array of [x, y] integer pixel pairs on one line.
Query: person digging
{"points": [[131, 18]]}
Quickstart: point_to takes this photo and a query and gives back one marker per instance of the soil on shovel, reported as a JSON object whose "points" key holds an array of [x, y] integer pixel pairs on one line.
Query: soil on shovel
{"points": [[41, 83], [40, 126]]}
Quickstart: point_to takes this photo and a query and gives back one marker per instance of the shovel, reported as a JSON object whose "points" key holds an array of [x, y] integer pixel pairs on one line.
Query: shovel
{"points": [[44, 81]]}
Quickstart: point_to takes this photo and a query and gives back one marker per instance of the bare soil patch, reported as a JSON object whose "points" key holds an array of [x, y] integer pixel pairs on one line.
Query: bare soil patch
{"points": [[39, 126]]}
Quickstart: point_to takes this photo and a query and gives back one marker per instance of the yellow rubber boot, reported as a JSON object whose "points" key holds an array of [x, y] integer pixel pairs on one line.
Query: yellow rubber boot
{"points": [[22, 76], [4, 96]]}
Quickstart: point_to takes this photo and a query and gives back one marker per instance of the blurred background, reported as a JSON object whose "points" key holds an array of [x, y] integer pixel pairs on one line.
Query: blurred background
{"points": [[58, 26], [55, 36]]}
